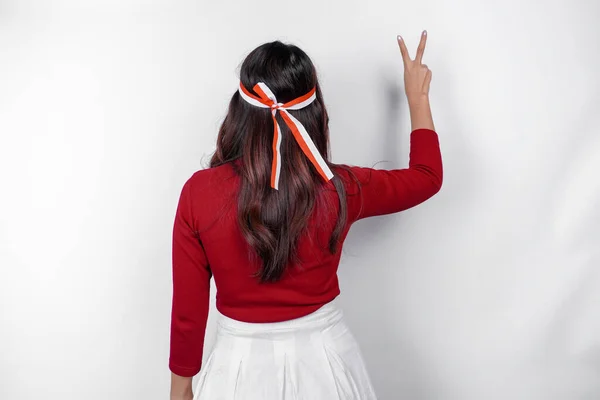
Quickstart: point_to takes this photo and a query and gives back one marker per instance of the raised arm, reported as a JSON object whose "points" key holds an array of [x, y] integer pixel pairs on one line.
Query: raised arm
{"points": [[417, 78], [389, 191]]}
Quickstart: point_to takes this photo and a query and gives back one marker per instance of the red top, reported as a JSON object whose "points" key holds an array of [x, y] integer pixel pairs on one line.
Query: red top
{"points": [[207, 241]]}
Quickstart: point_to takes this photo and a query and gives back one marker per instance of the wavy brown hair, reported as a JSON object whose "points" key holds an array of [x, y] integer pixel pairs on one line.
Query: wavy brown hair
{"points": [[271, 220]]}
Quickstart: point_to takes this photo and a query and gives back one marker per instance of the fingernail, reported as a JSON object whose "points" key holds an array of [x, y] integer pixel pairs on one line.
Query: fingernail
{"points": [[424, 33], [399, 38]]}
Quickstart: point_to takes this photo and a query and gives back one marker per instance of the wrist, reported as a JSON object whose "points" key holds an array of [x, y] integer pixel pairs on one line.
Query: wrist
{"points": [[183, 397], [181, 387], [186, 395], [420, 113], [418, 100]]}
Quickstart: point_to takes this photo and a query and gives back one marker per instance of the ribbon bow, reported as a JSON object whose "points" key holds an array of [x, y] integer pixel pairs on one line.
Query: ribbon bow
{"points": [[268, 100]]}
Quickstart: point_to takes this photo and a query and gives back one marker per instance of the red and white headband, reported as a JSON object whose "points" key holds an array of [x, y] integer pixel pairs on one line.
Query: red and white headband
{"points": [[268, 100]]}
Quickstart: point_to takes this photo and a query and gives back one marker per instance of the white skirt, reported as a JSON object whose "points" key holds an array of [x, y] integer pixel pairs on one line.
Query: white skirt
{"points": [[314, 357]]}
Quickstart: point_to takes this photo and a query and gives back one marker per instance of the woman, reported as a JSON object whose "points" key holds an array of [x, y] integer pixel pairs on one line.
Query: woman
{"points": [[268, 221]]}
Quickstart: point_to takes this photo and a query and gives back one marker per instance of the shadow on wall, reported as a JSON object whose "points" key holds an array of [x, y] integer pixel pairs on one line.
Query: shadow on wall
{"points": [[396, 366]]}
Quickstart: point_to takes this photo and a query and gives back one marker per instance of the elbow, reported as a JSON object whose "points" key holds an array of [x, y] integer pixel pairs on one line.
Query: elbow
{"points": [[437, 183], [434, 176], [434, 188]]}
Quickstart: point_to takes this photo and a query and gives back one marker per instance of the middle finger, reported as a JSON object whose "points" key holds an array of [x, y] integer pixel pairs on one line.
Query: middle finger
{"points": [[421, 48]]}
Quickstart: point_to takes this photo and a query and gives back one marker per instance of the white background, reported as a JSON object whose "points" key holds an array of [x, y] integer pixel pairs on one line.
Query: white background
{"points": [[489, 291]]}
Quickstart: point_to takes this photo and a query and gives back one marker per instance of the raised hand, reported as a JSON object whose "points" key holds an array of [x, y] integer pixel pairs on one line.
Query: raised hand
{"points": [[417, 76]]}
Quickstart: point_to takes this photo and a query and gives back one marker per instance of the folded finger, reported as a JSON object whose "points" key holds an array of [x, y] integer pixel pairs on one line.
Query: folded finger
{"points": [[427, 82]]}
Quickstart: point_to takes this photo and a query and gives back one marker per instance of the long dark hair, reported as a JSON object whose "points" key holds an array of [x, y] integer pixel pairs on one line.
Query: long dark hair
{"points": [[270, 220]]}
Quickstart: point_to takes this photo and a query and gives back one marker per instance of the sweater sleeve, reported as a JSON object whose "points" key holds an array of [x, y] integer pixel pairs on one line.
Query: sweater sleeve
{"points": [[390, 191], [191, 287]]}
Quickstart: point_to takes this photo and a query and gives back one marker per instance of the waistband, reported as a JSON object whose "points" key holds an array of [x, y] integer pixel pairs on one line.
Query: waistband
{"points": [[329, 314]]}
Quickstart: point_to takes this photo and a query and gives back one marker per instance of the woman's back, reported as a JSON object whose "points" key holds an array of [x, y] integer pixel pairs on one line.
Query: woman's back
{"points": [[274, 250], [207, 215]]}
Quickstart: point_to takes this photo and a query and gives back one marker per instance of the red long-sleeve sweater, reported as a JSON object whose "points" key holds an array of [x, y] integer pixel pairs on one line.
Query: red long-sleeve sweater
{"points": [[207, 242]]}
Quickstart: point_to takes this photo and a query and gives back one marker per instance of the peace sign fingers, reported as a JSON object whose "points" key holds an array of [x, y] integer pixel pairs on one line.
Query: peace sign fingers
{"points": [[417, 75], [421, 48], [404, 51]]}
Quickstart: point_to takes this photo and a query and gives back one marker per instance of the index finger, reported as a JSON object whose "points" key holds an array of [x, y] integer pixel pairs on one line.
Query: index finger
{"points": [[403, 50], [421, 48]]}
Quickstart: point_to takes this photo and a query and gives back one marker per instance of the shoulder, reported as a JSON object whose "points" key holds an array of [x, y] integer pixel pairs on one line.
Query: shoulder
{"points": [[352, 175], [208, 192], [210, 179]]}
